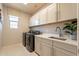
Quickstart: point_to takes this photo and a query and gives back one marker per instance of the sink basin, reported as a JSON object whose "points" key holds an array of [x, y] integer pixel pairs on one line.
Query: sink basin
{"points": [[59, 38]]}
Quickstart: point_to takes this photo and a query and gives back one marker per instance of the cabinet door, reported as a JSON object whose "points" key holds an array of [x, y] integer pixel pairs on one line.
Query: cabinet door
{"points": [[37, 45], [61, 52], [67, 11], [46, 50], [34, 20], [31, 21], [43, 16], [52, 13], [0, 6]]}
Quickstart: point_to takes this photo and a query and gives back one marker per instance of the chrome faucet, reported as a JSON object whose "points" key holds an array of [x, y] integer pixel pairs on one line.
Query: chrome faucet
{"points": [[60, 33]]}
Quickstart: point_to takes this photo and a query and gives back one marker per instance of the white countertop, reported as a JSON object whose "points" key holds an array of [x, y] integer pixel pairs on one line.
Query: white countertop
{"points": [[67, 41]]}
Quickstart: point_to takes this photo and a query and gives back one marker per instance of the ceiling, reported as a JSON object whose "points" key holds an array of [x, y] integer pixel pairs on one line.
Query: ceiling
{"points": [[29, 8]]}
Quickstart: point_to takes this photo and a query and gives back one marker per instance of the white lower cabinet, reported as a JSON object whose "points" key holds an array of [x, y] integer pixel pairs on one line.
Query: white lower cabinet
{"points": [[46, 50], [37, 45], [43, 47], [47, 47], [61, 52]]}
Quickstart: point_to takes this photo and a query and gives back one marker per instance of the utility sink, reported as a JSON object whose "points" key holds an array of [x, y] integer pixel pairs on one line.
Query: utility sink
{"points": [[58, 38]]}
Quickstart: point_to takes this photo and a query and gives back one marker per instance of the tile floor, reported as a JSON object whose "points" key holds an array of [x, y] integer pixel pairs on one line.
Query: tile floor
{"points": [[15, 50]]}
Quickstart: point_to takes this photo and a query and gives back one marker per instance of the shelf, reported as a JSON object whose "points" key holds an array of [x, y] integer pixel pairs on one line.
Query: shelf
{"points": [[54, 22]]}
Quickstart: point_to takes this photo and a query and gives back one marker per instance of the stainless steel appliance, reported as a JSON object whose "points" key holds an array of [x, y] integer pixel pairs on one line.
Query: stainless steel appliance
{"points": [[29, 40], [24, 39]]}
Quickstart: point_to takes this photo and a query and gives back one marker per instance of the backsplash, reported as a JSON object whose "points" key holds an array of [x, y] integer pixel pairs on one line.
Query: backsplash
{"points": [[51, 28]]}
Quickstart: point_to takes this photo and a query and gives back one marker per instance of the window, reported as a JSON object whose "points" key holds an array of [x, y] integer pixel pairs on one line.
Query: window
{"points": [[13, 21]]}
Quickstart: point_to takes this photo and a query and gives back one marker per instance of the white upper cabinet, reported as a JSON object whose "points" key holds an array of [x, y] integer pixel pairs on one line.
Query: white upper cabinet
{"points": [[0, 6], [31, 21], [34, 20], [37, 19], [52, 13], [67, 11], [43, 16]]}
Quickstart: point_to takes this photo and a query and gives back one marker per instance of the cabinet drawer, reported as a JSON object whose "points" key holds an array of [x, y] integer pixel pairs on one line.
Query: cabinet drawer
{"points": [[62, 52], [47, 41], [65, 46]]}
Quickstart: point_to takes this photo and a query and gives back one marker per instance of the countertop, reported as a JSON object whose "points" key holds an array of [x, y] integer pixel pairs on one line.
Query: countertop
{"points": [[67, 41]]}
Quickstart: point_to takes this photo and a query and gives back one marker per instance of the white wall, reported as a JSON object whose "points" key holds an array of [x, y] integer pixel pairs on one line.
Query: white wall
{"points": [[0, 29], [13, 36], [78, 26], [0, 34]]}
